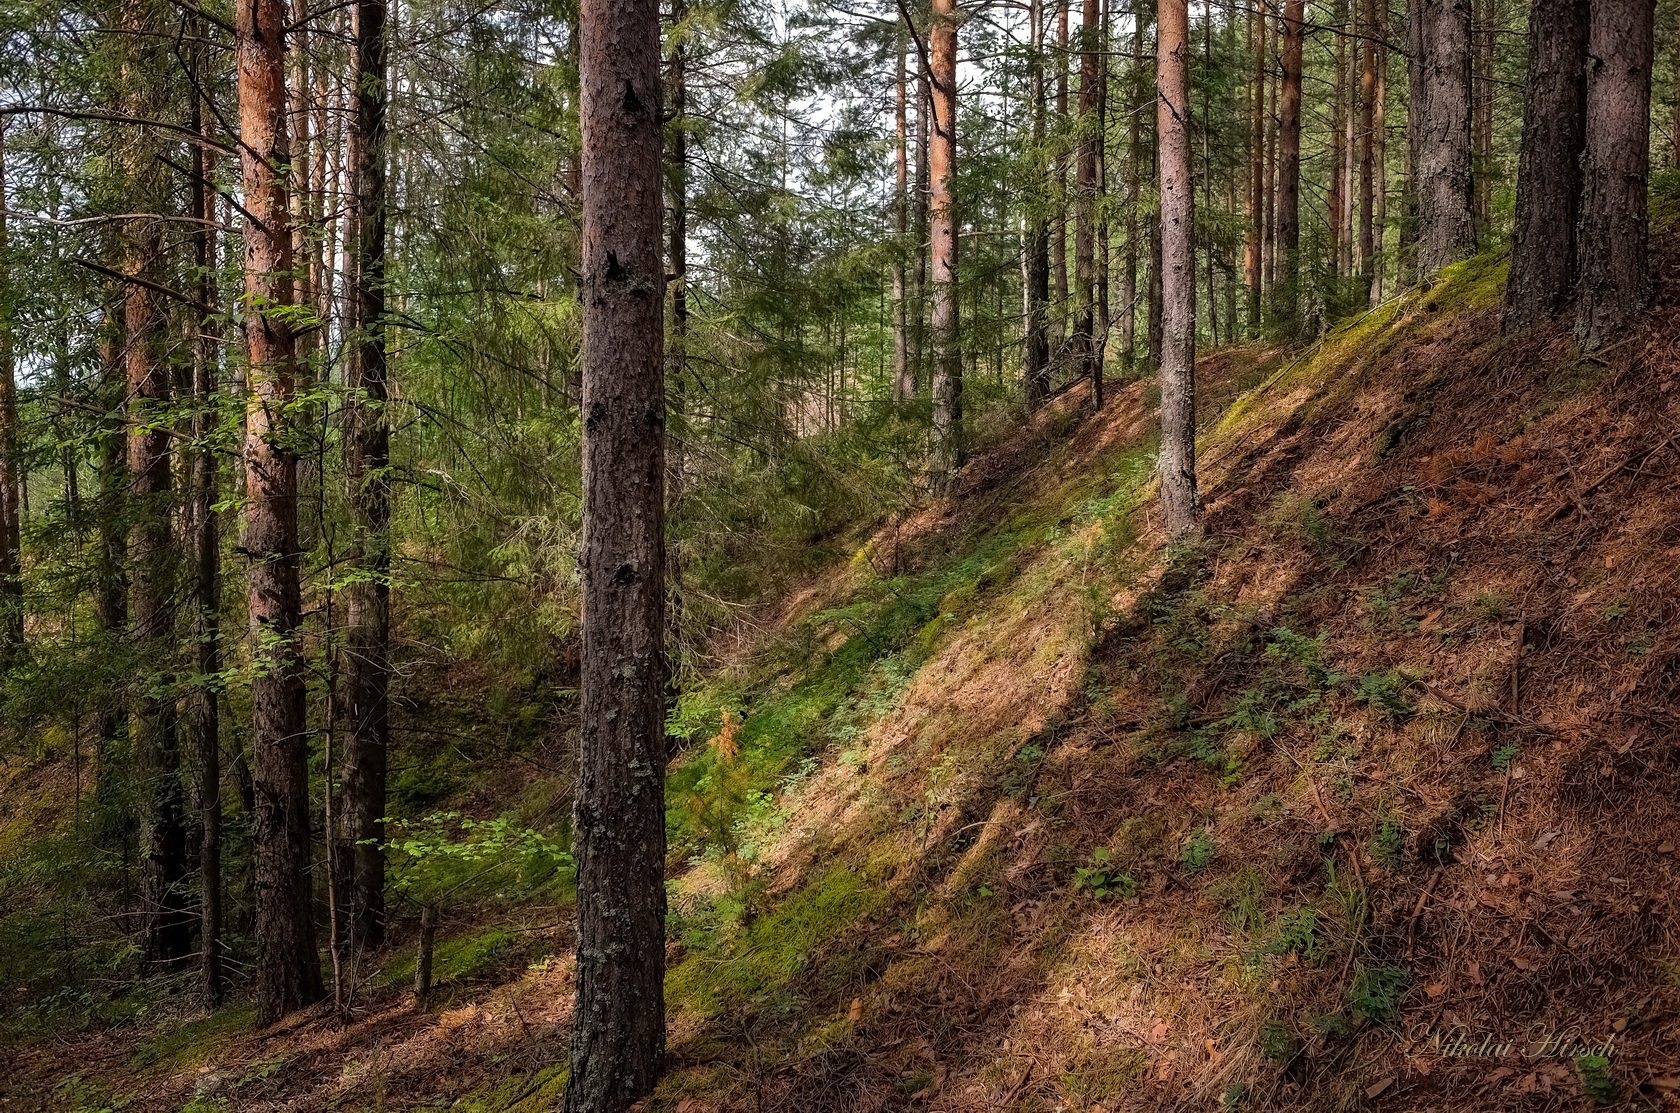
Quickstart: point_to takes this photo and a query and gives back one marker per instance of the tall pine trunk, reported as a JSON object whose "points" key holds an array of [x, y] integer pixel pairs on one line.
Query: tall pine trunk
{"points": [[1037, 373], [288, 968], [11, 480], [1289, 157], [1543, 256], [903, 383], [1615, 213], [1180, 504], [1252, 250], [618, 1020], [1085, 210], [1440, 132], [358, 858], [948, 452]]}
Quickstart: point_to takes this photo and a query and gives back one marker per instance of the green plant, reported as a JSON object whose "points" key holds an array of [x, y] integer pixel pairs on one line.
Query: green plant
{"points": [[1616, 611], [1377, 990], [1235, 1094], [1388, 844], [1384, 692], [1297, 932], [1597, 1082], [1198, 851], [1277, 1042], [1100, 878], [1504, 756]]}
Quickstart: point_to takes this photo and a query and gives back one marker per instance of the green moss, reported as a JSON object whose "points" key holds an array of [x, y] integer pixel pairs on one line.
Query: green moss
{"points": [[1477, 282], [195, 1042], [776, 947], [537, 1093], [468, 957]]}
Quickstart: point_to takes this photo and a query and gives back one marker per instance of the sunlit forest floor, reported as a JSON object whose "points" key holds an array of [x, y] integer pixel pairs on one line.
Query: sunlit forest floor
{"points": [[1373, 805]]}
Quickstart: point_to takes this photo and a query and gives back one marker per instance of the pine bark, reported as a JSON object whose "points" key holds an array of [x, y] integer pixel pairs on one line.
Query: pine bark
{"points": [[618, 1020], [1085, 210], [1059, 228], [1252, 250], [903, 382], [12, 647], [948, 449], [1615, 216], [1543, 257], [358, 857], [1180, 504], [1368, 139], [1037, 371], [288, 968], [1440, 132], [1289, 156]]}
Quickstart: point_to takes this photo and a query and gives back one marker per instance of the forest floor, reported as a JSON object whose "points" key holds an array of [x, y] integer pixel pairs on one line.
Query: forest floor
{"points": [[1372, 804]]}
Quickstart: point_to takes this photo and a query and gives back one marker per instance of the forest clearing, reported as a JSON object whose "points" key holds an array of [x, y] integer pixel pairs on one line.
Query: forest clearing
{"points": [[703, 557]]}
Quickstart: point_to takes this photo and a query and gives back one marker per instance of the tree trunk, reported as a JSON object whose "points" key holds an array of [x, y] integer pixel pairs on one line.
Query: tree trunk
{"points": [[1615, 215], [618, 1020], [1085, 210], [1134, 191], [1289, 157], [11, 481], [1058, 231], [204, 709], [288, 968], [1368, 141], [919, 223], [1180, 504], [904, 383], [358, 858], [1252, 250], [1440, 132], [942, 166], [1543, 256], [1379, 156], [1037, 374], [677, 255], [166, 917], [1338, 115]]}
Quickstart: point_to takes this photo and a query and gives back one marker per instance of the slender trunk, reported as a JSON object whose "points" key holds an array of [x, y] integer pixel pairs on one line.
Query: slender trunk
{"points": [[1379, 156], [288, 968], [948, 452], [903, 382], [1252, 250], [1543, 254], [1038, 230], [12, 646], [1099, 337], [1058, 231], [1615, 217], [1180, 504], [1085, 211], [1440, 131], [1485, 19], [618, 1025], [1269, 259], [359, 860], [1368, 140], [677, 253], [1289, 157], [1338, 117], [919, 223], [204, 709], [1134, 193]]}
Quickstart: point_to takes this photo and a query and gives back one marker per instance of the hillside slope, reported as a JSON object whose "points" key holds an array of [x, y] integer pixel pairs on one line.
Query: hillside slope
{"points": [[1371, 803]]}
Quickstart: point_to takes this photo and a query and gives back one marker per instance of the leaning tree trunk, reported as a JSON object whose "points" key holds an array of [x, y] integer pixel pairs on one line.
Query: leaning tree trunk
{"points": [[1440, 132], [1037, 373], [1615, 273], [359, 887], [1180, 504], [288, 968], [1543, 256], [947, 456], [618, 1020]]}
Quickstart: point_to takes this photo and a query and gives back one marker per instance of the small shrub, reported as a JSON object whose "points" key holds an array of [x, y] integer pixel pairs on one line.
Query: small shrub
{"points": [[1377, 990], [1277, 1042], [1198, 851], [1297, 933], [1100, 878], [1597, 1083], [1388, 844], [1505, 756], [1384, 692]]}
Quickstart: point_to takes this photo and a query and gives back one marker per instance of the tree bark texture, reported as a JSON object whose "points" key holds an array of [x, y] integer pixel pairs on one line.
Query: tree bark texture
{"points": [[1180, 504]]}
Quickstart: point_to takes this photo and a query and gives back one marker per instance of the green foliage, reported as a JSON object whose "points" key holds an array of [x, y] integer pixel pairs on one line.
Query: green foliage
{"points": [[1388, 844], [1377, 992], [1385, 693], [1198, 851], [1297, 932], [448, 856], [1100, 878], [1504, 756], [1277, 1042], [1598, 1082]]}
